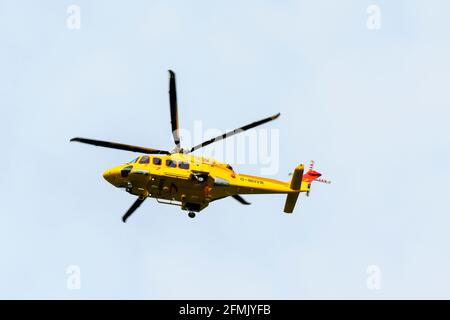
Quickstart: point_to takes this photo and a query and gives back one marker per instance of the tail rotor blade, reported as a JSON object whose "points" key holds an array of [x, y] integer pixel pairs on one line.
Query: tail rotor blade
{"points": [[311, 165], [133, 208], [309, 190]]}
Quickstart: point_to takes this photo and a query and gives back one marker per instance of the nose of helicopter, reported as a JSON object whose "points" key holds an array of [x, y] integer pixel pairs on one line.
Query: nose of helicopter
{"points": [[109, 176]]}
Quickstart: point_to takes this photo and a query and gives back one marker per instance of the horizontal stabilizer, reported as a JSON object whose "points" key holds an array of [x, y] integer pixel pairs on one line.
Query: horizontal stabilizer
{"points": [[295, 185]]}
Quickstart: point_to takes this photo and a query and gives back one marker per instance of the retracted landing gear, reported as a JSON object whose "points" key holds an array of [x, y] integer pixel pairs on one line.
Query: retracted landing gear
{"points": [[191, 214]]}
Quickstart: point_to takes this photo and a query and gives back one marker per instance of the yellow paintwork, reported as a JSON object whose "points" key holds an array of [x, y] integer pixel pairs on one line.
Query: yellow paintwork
{"points": [[178, 186]]}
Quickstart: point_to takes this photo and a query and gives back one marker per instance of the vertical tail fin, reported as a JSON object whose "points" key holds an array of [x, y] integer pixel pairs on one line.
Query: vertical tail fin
{"points": [[296, 183]]}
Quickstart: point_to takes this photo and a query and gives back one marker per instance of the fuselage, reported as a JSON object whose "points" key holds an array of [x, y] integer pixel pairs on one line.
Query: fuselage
{"points": [[189, 181]]}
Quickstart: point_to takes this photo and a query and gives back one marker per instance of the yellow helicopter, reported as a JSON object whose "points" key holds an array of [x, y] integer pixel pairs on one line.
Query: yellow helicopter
{"points": [[178, 178]]}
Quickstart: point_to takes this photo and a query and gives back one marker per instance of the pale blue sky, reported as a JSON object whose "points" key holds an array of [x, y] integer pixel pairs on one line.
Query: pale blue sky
{"points": [[370, 107]]}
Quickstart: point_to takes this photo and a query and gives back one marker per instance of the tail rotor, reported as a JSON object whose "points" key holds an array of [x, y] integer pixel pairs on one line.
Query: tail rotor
{"points": [[313, 175]]}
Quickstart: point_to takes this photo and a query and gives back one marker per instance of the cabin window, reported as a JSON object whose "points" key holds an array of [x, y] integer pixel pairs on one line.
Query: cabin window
{"points": [[183, 165], [144, 160], [157, 161], [171, 163]]}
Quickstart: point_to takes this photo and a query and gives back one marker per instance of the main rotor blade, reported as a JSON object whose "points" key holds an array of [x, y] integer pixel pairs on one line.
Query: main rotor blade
{"points": [[174, 108], [235, 131], [133, 208], [120, 146], [240, 199]]}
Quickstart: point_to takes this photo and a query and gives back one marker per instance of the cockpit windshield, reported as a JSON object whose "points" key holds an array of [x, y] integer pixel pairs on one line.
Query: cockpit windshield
{"points": [[134, 160]]}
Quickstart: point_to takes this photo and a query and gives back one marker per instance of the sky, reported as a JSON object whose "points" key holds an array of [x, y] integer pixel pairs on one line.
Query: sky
{"points": [[369, 105]]}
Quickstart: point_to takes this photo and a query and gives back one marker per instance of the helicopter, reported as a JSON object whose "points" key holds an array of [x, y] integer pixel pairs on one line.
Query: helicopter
{"points": [[177, 177]]}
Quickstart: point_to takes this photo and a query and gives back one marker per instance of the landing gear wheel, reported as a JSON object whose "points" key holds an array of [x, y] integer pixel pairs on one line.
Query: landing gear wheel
{"points": [[191, 214]]}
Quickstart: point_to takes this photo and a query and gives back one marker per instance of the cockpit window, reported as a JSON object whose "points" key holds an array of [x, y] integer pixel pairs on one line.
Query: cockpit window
{"points": [[183, 165], [171, 163], [126, 171], [134, 161], [144, 160]]}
